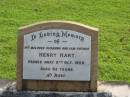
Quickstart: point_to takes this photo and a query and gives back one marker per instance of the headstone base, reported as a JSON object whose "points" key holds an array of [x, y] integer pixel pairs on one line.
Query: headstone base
{"points": [[53, 94], [10, 91]]}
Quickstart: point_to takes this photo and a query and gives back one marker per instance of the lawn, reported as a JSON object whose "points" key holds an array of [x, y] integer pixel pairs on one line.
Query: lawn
{"points": [[112, 17]]}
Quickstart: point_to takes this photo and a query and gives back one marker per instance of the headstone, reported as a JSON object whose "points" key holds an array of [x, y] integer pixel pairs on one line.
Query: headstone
{"points": [[57, 56]]}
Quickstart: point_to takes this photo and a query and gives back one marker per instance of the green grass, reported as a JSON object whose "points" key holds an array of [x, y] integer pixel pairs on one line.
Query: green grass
{"points": [[112, 17]]}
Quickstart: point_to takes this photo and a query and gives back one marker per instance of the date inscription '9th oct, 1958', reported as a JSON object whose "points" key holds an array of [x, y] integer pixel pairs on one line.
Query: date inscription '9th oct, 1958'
{"points": [[57, 54]]}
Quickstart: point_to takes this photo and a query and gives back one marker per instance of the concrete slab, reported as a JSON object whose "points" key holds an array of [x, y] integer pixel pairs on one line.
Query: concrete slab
{"points": [[118, 89], [4, 83]]}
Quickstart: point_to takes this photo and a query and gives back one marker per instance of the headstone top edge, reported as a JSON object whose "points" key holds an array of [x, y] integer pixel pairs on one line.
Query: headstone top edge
{"points": [[59, 22]]}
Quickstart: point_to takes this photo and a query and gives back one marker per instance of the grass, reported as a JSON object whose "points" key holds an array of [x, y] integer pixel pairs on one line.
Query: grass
{"points": [[110, 16]]}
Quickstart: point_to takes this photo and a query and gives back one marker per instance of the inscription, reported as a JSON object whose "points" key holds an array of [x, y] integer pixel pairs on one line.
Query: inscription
{"points": [[57, 34], [57, 54]]}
